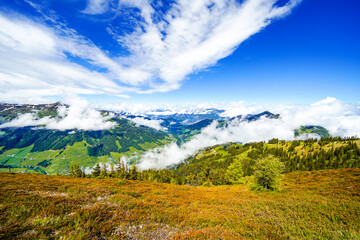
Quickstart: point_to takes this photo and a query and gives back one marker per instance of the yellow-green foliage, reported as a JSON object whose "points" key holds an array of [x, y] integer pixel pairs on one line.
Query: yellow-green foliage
{"points": [[16, 170], [221, 164], [267, 172], [148, 145], [312, 205], [234, 173], [35, 157], [134, 150], [118, 144], [14, 156]]}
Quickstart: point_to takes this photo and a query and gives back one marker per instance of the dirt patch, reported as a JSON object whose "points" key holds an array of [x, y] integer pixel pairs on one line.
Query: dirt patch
{"points": [[146, 231]]}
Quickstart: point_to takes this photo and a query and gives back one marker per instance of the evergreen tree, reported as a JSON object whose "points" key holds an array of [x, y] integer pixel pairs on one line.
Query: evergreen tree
{"points": [[121, 170], [96, 171], [112, 172], [103, 171], [133, 173], [75, 171]]}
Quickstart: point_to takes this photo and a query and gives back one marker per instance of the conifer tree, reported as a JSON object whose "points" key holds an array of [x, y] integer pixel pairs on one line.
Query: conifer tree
{"points": [[103, 171], [96, 171], [112, 171], [133, 173], [75, 171], [121, 169]]}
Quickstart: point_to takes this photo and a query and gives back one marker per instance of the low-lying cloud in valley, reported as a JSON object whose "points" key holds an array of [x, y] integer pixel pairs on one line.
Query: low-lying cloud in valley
{"points": [[340, 119], [141, 121], [79, 115]]}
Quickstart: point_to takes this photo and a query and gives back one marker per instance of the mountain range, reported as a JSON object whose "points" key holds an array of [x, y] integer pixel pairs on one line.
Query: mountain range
{"points": [[43, 150]]}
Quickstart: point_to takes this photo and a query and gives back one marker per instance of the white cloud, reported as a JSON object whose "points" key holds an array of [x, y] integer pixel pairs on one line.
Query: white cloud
{"points": [[78, 116], [156, 124], [33, 62], [96, 6], [42, 58], [339, 118], [195, 36], [231, 109], [161, 109], [325, 101], [236, 132]]}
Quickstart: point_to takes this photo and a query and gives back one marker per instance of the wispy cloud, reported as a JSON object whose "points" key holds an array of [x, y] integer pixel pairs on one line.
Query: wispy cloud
{"points": [[45, 58], [96, 6], [34, 62], [193, 35]]}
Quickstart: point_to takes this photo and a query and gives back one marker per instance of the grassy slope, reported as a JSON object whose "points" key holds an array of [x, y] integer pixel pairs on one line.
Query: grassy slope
{"points": [[59, 160], [313, 205]]}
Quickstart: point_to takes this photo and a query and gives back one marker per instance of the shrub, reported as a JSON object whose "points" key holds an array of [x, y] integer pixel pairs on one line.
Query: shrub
{"points": [[267, 172], [207, 184], [234, 172]]}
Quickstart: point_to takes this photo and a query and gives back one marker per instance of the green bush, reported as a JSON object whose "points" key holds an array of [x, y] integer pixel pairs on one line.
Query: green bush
{"points": [[235, 172], [267, 172]]}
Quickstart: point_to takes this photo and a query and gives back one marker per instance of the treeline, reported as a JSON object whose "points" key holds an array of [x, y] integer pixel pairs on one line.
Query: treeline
{"points": [[124, 171], [233, 163], [314, 155]]}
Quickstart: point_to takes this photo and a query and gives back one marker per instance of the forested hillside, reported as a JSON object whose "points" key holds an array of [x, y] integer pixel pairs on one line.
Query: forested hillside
{"points": [[212, 164], [236, 163], [39, 149], [52, 151]]}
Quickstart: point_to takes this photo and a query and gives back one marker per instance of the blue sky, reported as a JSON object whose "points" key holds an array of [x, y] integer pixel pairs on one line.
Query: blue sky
{"points": [[290, 52]]}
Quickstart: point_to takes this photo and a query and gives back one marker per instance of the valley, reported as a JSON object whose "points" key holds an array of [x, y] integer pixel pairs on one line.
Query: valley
{"points": [[36, 148], [179, 120]]}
